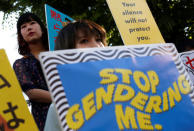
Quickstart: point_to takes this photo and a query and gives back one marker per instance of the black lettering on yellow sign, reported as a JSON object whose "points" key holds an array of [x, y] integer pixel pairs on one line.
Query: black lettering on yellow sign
{"points": [[128, 4], [13, 123], [4, 82]]}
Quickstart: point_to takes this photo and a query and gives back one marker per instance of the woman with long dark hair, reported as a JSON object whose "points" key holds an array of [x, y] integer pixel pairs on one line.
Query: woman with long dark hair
{"points": [[32, 39]]}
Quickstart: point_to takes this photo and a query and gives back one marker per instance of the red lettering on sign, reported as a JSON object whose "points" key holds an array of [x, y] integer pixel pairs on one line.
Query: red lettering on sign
{"points": [[55, 15], [189, 62]]}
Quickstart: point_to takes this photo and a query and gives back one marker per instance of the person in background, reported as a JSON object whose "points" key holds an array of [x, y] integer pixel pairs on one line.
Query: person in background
{"points": [[185, 45], [189, 45], [78, 34], [33, 39]]}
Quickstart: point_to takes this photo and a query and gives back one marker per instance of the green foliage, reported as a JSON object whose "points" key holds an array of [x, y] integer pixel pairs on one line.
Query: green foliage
{"points": [[174, 17]]}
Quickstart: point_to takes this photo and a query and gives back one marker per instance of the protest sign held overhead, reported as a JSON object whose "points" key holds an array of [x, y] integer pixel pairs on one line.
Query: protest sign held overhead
{"points": [[120, 88], [135, 22], [55, 22], [14, 112], [188, 61]]}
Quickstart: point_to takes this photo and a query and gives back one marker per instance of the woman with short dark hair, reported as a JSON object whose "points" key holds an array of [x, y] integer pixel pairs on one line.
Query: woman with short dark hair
{"points": [[72, 32], [77, 34]]}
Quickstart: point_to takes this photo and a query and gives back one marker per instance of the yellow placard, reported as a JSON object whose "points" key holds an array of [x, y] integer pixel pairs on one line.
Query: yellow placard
{"points": [[14, 112], [135, 22]]}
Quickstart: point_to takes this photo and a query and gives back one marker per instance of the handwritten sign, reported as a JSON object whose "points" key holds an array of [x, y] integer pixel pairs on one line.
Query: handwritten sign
{"points": [[188, 60], [135, 22], [55, 20], [14, 113], [120, 88]]}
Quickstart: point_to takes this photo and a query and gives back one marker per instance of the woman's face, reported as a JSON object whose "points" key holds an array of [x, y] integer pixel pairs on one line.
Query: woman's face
{"points": [[88, 41], [31, 31]]}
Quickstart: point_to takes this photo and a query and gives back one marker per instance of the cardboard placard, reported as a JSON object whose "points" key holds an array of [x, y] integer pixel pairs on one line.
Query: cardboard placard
{"points": [[188, 61], [135, 22], [120, 88], [55, 20], [14, 112]]}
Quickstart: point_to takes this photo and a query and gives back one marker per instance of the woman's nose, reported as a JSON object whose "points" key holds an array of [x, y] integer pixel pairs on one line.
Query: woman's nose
{"points": [[29, 27]]}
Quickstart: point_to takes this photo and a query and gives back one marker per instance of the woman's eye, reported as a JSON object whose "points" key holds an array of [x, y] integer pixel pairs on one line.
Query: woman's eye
{"points": [[33, 22], [23, 26], [98, 40], [84, 41]]}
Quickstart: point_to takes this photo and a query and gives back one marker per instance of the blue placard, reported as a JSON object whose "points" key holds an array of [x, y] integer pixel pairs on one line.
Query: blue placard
{"points": [[141, 93], [54, 20]]}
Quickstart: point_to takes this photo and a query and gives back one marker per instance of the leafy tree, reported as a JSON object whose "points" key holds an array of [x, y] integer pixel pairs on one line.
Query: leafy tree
{"points": [[174, 17]]}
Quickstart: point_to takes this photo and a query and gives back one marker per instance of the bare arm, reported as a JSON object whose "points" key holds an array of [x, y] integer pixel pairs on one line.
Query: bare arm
{"points": [[39, 95]]}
